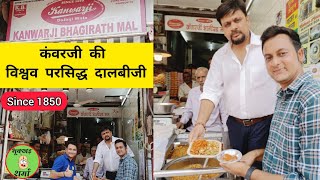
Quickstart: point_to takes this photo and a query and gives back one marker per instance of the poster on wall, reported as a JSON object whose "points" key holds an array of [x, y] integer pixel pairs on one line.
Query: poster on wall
{"points": [[61, 20], [309, 31], [292, 14]]}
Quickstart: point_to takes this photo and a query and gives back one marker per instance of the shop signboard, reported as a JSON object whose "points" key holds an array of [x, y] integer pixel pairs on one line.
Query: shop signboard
{"points": [[309, 32], [192, 24], [63, 20], [99, 112]]}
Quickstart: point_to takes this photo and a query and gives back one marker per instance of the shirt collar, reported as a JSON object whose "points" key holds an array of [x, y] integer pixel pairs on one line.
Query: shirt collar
{"points": [[125, 157], [66, 156], [296, 84]]}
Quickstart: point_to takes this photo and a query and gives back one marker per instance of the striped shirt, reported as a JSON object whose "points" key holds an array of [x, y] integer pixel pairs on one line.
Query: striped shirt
{"points": [[293, 147], [128, 169]]}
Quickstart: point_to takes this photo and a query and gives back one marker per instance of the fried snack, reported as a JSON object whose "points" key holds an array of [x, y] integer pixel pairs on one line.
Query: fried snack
{"points": [[179, 151], [228, 157], [204, 147], [195, 177]]}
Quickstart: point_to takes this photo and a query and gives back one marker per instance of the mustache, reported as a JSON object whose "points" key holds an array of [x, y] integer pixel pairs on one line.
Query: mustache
{"points": [[235, 32]]}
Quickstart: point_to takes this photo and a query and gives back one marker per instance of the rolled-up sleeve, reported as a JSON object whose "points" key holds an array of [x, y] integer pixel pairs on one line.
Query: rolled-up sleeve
{"points": [[213, 86], [99, 155], [187, 111], [309, 161]]}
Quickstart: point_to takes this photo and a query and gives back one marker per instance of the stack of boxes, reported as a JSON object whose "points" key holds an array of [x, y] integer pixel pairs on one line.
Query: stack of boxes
{"points": [[175, 79]]}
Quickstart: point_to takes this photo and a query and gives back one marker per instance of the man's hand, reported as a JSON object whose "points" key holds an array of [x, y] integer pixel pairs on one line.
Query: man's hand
{"points": [[68, 172], [94, 176], [236, 168], [179, 125], [196, 133], [249, 158]]}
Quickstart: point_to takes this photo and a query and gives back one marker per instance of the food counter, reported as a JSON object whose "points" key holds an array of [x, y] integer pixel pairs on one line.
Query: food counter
{"points": [[178, 165]]}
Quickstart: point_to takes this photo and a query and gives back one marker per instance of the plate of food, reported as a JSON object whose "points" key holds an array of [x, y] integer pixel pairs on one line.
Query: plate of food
{"points": [[229, 156], [203, 148]]}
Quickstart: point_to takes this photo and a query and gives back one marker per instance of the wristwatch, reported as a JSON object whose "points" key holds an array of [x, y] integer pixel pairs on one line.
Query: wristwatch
{"points": [[249, 173]]}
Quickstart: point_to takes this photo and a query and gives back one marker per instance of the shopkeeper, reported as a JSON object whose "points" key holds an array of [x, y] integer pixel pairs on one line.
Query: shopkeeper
{"points": [[186, 86], [218, 117]]}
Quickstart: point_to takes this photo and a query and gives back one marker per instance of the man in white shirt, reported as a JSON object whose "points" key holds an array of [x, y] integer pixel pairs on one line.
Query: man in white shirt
{"points": [[218, 117], [186, 86], [87, 172], [238, 74], [106, 154]]}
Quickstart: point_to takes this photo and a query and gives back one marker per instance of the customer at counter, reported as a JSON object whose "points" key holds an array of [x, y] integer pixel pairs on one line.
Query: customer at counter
{"points": [[218, 117], [293, 146], [82, 156], [238, 74], [87, 172], [128, 168], [186, 87], [106, 154], [63, 167]]}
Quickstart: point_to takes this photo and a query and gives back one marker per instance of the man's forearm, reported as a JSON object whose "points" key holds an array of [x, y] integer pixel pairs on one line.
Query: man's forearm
{"points": [[259, 154], [260, 175], [56, 175], [206, 108], [95, 167]]}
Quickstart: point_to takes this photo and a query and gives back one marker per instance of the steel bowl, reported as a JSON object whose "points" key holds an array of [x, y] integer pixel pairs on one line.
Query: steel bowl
{"points": [[163, 108], [181, 163]]}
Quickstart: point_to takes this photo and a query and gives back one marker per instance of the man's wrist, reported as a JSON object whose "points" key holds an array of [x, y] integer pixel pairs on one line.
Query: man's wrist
{"points": [[249, 173], [201, 124]]}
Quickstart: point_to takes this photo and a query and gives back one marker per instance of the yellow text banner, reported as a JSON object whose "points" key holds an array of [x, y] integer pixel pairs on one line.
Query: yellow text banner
{"points": [[76, 65]]}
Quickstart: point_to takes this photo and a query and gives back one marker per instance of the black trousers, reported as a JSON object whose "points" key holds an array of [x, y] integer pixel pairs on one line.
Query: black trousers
{"points": [[111, 175], [248, 138]]}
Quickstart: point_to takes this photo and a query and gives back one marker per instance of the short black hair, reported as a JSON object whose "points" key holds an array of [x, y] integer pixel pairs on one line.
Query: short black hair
{"points": [[273, 31], [121, 141], [106, 128], [72, 143], [230, 6]]}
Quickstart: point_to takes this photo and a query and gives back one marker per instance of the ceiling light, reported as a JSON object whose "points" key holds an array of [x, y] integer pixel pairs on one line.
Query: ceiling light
{"points": [[66, 90], [89, 90], [157, 57], [165, 54]]}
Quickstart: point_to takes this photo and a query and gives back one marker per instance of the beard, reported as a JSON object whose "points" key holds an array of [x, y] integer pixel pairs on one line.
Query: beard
{"points": [[239, 40], [107, 138]]}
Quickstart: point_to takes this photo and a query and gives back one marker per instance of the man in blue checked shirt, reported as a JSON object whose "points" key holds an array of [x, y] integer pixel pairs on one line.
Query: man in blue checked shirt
{"points": [[293, 147], [128, 168]]}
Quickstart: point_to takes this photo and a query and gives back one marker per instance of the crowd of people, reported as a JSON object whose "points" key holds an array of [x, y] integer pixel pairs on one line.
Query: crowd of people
{"points": [[112, 159]]}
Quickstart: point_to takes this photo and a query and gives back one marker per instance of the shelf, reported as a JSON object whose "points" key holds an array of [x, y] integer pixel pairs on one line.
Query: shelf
{"points": [[16, 140]]}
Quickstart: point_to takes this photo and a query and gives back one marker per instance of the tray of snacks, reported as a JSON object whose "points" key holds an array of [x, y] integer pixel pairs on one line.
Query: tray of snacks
{"points": [[203, 148], [229, 156]]}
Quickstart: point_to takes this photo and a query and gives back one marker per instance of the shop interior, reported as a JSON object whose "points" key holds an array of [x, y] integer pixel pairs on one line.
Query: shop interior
{"points": [[124, 110]]}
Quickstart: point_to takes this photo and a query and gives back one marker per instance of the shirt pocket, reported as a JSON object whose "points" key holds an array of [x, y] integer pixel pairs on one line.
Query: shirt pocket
{"points": [[258, 76]]}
